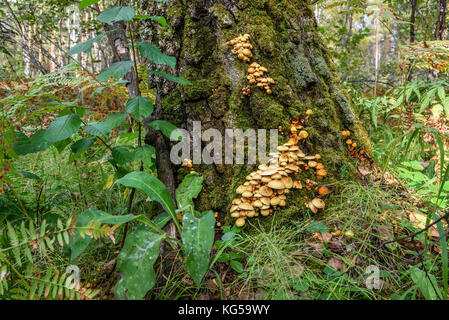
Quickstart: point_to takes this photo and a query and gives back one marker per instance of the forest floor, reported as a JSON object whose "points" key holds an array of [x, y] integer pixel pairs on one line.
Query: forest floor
{"points": [[337, 254]]}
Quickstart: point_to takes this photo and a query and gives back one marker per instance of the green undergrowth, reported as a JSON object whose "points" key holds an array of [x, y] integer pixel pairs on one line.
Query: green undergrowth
{"points": [[284, 261]]}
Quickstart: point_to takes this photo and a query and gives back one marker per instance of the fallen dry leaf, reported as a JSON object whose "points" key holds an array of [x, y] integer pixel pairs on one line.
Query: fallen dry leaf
{"points": [[364, 171], [389, 179], [336, 263]]}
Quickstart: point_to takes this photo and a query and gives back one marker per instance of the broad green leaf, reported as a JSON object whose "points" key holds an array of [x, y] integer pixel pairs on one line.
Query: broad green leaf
{"points": [[139, 107], [444, 253], [161, 20], [103, 128], [189, 189], [36, 143], [115, 119], [198, 238], [135, 263], [61, 145], [425, 285], [114, 14], [146, 154], [78, 244], [153, 188], [441, 93], [62, 128], [116, 70], [237, 266], [85, 3], [162, 219], [82, 144], [413, 164], [165, 127], [155, 55], [85, 46], [98, 129], [123, 154], [170, 77], [28, 175]]}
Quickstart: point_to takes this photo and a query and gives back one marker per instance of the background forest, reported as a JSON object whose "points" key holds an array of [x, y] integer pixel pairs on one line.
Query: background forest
{"points": [[85, 210]]}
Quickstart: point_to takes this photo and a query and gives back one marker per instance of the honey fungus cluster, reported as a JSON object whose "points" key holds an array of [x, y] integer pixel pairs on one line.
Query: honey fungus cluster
{"points": [[351, 145], [187, 163], [255, 76], [265, 190], [241, 47]]}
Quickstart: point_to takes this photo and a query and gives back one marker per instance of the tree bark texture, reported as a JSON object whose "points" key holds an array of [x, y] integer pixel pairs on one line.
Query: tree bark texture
{"points": [[441, 21], [285, 40]]}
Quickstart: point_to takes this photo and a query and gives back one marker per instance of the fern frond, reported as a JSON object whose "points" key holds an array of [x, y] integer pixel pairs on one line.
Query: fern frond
{"points": [[25, 240], [57, 286]]}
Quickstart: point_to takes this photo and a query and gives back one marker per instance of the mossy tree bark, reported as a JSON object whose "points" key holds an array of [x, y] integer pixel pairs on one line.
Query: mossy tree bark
{"points": [[285, 40]]}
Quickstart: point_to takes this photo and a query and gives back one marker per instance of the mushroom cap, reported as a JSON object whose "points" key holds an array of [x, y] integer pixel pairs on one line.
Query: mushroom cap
{"points": [[266, 191], [236, 201], [245, 206], [235, 214], [297, 184], [275, 201], [312, 164], [241, 189], [319, 203], [234, 208], [276, 176], [247, 194], [323, 190], [276, 184], [257, 204], [265, 201], [240, 222], [283, 148], [287, 181], [265, 212], [312, 207], [265, 179], [250, 214], [269, 171], [321, 173], [292, 167]]}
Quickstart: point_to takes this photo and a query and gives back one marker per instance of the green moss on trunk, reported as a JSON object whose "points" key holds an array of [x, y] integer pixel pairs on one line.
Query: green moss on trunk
{"points": [[285, 39]]}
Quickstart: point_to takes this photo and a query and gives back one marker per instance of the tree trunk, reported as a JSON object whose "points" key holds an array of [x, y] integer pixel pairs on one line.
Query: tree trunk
{"points": [[285, 40], [412, 21], [441, 22]]}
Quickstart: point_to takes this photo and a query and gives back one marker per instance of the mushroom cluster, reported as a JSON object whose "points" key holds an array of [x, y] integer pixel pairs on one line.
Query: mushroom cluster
{"points": [[187, 163], [255, 73], [246, 90], [265, 190], [352, 147], [241, 47]]}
